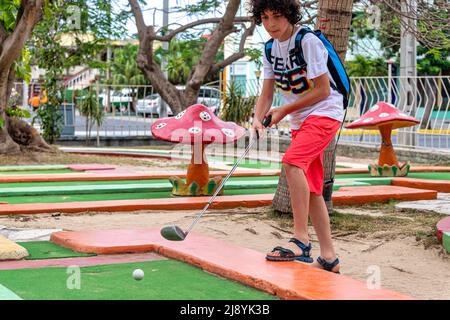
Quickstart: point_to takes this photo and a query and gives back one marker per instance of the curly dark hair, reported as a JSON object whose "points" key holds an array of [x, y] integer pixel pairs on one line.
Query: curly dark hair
{"points": [[288, 8]]}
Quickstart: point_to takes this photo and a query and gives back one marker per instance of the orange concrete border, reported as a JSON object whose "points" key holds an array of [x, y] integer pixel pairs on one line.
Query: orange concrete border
{"points": [[344, 196], [437, 185], [287, 280]]}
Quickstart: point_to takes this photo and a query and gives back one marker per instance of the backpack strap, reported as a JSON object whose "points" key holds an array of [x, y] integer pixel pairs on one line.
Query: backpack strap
{"points": [[268, 50], [299, 51]]}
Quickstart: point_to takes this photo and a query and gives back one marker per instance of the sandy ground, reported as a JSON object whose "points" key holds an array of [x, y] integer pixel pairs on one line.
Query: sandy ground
{"points": [[401, 264]]}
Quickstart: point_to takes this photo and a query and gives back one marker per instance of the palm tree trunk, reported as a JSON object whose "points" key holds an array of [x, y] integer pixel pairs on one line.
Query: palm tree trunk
{"points": [[334, 19]]}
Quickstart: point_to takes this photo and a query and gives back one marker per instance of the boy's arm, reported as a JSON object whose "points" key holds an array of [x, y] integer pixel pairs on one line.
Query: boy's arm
{"points": [[264, 100], [320, 91], [263, 105]]}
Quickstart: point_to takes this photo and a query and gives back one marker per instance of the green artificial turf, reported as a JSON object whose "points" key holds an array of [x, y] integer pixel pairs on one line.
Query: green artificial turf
{"points": [[164, 280], [414, 175], [39, 250]]}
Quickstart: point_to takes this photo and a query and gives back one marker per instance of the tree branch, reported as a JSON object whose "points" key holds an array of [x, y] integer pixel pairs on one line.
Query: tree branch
{"points": [[193, 24], [238, 55], [137, 12]]}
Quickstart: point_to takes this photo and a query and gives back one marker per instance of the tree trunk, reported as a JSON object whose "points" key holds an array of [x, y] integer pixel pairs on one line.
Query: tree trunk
{"points": [[334, 19], [26, 136], [15, 133]]}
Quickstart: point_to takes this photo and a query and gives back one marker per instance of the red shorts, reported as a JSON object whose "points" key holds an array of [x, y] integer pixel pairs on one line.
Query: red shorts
{"points": [[308, 146]]}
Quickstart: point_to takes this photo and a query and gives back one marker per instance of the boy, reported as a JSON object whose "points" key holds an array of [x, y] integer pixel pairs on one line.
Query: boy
{"points": [[316, 112]]}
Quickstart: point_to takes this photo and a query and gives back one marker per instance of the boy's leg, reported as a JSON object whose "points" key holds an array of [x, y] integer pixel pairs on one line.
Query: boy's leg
{"points": [[299, 189], [321, 222]]}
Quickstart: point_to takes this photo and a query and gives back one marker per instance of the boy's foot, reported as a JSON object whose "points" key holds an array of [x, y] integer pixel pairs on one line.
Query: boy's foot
{"points": [[295, 250], [328, 265]]}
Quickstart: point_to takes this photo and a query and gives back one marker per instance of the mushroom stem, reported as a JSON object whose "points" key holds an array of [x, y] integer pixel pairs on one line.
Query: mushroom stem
{"points": [[198, 169], [387, 153]]}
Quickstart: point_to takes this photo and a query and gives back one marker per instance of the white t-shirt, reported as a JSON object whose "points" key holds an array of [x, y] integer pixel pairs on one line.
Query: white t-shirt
{"points": [[294, 82]]}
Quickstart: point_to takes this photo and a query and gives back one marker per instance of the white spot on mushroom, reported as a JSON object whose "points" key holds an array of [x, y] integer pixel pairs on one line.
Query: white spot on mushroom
{"points": [[205, 116], [161, 125], [195, 130], [384, 115], [228, 132], [367, 120], [403, 114], [374, 108], [178, 116], [357, 120]]}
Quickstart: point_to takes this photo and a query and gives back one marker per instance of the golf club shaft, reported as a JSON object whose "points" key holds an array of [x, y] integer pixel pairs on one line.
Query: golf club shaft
{"points": [[250, 145]]}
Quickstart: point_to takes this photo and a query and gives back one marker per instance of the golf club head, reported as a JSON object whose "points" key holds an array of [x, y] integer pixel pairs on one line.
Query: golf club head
{"points": [[173, 233]]}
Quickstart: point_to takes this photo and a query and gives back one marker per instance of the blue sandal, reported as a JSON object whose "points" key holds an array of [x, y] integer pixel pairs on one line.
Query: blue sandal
{"points": [[289, 255], [328, 266]]}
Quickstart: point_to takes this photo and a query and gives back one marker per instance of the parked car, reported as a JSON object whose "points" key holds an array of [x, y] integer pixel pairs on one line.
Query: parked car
{"points": [[121, 100], [152, 104]]}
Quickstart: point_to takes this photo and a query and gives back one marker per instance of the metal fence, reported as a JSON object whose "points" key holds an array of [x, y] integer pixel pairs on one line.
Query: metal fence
{"points": [[425, 98], [130, 110]]}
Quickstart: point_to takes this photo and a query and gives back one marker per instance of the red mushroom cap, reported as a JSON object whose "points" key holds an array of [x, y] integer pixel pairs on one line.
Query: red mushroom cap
{"points": [[196, 124], [382, 114]]}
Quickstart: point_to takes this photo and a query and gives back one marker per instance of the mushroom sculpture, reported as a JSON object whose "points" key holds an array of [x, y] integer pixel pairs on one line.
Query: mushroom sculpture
{"points": [[385, 117], [198, 126]]}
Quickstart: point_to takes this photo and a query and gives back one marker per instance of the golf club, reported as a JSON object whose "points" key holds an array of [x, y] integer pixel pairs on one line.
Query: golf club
{"points": [[174, 233]]}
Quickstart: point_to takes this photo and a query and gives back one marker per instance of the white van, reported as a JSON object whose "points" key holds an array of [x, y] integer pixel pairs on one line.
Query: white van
{"points": [[152, 104]]}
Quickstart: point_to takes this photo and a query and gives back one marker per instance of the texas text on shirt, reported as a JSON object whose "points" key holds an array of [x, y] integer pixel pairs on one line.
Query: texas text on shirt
{"points": [[293, 81]]}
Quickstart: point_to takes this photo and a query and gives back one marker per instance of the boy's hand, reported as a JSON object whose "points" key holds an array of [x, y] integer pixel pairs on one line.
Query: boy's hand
{"points": [[277, 115], [257, 126]]}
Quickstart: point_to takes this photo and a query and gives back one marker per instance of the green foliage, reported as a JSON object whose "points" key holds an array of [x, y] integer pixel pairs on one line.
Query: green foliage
{"points": [[2, 123], [182, 57], [51, 121], [98, 21], [90, 107], [49, 113], [363, 66], [8, 13], [203, 7], [430, 60], [124, 68], [16, 112], [255, 55], [237, 108]]}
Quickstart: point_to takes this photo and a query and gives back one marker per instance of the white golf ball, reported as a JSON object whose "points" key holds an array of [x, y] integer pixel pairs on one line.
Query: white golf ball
{"points": [[138, 274]]}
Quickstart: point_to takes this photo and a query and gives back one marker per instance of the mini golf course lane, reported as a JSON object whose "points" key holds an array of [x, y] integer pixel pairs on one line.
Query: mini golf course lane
{"points": [[163, 280], [345, 196], [287, 280], [73, 191], [47, 250]]}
